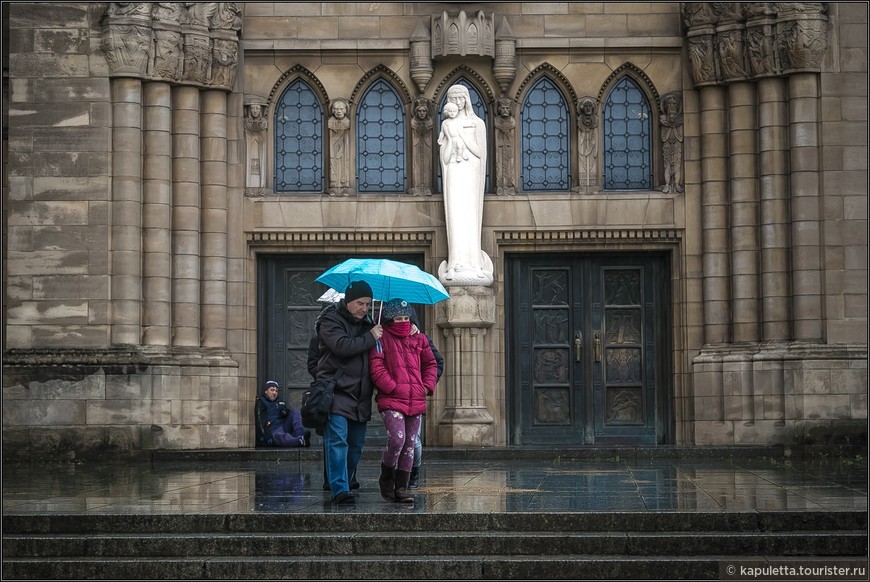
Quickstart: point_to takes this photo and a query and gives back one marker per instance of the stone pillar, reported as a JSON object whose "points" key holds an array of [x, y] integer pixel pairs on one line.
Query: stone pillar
{"points": [[157, 215], [465, 319], [743, 165], [803, 118], [126, 211], [185, 217], [214, 219], [773, 193], [714, 180]]}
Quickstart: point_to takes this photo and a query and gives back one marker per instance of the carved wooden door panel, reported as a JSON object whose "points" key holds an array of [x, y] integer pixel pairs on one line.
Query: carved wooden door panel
{"points": [[587, 349]]}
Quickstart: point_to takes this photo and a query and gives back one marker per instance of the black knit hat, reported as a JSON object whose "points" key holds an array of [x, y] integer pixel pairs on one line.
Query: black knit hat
{"points": [[355, 290]]}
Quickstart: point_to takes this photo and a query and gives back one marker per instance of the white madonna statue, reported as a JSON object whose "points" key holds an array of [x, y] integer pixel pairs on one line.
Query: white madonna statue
{"points": [[463, 173]]}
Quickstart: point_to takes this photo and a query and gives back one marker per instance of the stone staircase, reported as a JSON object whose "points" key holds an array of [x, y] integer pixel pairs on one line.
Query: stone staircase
{"points": [[408, 545]]}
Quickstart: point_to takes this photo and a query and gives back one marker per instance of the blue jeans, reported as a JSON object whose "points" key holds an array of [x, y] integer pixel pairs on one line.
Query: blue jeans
{"points": [[343, 442]]}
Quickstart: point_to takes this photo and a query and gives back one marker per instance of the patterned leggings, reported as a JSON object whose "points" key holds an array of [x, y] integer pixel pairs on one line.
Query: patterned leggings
{"points": [[401, 435]]}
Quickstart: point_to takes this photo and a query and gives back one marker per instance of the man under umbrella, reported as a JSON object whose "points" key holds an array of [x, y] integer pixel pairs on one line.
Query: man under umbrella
{"points": [[347, 333]]}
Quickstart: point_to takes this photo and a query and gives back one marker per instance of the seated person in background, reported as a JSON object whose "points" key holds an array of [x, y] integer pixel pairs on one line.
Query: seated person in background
{"points": [[278, 425]]}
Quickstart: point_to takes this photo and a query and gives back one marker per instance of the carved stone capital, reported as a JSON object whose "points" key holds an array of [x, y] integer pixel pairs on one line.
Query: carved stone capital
{"points": [[467, 307]]}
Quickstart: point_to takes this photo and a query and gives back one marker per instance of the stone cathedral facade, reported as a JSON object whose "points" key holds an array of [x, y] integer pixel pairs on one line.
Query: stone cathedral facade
{"points": [[675, 212]]}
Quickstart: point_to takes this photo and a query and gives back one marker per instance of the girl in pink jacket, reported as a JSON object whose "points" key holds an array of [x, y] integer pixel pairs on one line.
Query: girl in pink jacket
{"points": [[404, 372]]}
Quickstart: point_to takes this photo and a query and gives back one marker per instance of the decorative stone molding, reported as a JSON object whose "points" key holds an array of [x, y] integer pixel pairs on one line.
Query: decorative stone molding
{"points": [[298, 71], [635, 235], [383, 71], [730, 42], [457, 34], [464, 71], [194, 43], [635, 72], [339, 238], [553, 73]]}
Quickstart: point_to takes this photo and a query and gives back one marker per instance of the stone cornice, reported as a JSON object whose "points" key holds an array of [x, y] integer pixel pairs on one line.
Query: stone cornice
{"points": [[283, 237], [622, 235]]}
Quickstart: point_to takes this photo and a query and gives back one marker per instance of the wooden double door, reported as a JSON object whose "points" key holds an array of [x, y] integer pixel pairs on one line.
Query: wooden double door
{"points": [[588, 342]]}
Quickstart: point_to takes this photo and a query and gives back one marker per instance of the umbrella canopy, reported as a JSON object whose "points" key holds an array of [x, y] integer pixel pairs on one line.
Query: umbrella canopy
{"points": [[388, 279]]}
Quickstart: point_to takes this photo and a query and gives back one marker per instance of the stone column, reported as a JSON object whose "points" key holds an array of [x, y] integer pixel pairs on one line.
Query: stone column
{"points": [[126, 211], [714, 180], [773, 191], [743, 166], [186, 216], [803, 118], [157, 215], [214, 219], [465, 319]]}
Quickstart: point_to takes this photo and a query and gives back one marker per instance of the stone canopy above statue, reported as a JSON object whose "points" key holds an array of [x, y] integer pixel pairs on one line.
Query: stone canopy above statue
{"points": [[459, 34]]}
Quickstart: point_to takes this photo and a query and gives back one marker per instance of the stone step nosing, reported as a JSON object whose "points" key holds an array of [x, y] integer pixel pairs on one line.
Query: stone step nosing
{"points": [[490, 522], [435, 544]]}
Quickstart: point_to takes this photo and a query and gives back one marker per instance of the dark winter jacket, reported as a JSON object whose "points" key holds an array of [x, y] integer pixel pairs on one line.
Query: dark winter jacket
{"points": [[313, 355], [343, 339], [270, 414], [404, 371]]}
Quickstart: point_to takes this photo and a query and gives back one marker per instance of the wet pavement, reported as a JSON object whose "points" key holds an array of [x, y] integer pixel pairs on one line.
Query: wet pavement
{"points": [[446, 486]]}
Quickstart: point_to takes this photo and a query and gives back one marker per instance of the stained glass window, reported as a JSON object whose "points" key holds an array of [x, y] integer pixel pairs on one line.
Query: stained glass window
{"points": [[380, 130], [627, 138], [298, 140], [545, 140]]}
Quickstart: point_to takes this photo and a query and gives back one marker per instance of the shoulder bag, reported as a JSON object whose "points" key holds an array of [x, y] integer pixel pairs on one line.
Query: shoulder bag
{"points": [[317, 401]]}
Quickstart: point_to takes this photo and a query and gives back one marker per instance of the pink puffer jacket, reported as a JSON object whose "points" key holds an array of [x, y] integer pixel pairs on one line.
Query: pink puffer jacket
{"points": [[404, 371]]}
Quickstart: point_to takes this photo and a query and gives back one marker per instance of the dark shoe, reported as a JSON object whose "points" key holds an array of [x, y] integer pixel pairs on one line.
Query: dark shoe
{"points": [[387, 482], [344, 498], [354, 484], [325, 486], [402, 478], [413, 483]]}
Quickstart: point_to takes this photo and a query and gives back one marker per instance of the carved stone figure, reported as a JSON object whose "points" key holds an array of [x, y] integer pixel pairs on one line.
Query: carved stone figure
{"points": [[504, 147], [421, 135], [463, 171], [702, 59], [339, 148], [672, 141], [255, 137], [587, 142], [224, 63], [759, 51], [730, 45]]}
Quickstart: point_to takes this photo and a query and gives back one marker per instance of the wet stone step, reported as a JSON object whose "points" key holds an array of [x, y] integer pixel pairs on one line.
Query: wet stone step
{"points": [[357, 521], [591, 567], [821, 543]]}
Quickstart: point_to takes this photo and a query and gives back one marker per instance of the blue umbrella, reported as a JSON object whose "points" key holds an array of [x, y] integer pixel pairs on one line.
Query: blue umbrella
{"points": [[388, 279]]}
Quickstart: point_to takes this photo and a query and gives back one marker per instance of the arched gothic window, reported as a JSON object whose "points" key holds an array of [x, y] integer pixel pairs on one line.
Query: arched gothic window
{"points": [[627, 130], [380, 130], [479, 106], [545, 139], [298, 140]]}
